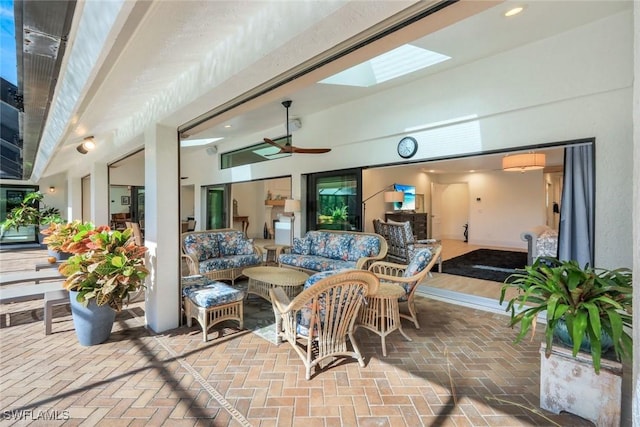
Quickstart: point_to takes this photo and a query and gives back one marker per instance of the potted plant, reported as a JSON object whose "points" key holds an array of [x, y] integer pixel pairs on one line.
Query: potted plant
{"points": [[32, 211], [105, 266], [593, 303]]}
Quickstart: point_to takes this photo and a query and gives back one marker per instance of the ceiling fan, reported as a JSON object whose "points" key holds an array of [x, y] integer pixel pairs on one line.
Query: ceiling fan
{"points": [[287, 147]]}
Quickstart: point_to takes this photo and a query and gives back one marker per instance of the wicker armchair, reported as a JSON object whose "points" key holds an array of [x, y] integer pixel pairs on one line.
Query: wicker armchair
{"points": [[318, 321], [408, 276]]}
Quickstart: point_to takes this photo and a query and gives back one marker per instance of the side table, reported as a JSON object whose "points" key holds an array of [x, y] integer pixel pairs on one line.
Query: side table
{"points": [[273, 252], [382, 314]]}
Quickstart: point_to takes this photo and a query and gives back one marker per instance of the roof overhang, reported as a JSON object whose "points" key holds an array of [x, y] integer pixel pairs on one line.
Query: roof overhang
{"points": [[42, 30]]}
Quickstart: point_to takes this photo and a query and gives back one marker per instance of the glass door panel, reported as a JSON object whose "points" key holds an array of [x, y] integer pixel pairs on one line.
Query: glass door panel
{"points": [[216, 212], [11, 197], [334, 200]]}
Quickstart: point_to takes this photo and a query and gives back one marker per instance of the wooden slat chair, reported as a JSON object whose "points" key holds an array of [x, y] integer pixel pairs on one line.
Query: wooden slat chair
{"points": [[320, 320], [408, 276]]}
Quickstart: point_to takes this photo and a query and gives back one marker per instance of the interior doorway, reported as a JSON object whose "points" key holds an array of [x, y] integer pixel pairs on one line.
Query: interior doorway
{"points": [[216, 212], [449, 211]]}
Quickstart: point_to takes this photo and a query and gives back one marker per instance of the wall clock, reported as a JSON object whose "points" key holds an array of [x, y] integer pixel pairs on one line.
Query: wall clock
{"points": [[407, 147]]}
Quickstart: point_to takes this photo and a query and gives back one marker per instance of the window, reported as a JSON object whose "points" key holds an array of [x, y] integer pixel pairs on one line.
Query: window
{"points": [[335, 200], [254, 154]]}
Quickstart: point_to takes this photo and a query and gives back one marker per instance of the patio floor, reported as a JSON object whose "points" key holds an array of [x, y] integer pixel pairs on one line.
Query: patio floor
{"points": [[461, 369]]}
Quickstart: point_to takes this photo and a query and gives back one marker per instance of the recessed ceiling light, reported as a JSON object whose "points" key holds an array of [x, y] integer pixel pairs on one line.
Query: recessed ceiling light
{"points": [[514, 11], [472, 171], [227, 126]]}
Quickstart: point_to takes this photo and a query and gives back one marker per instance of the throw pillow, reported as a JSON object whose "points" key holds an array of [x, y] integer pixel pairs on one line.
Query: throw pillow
{"points": [[244, 247], [300, 246]]}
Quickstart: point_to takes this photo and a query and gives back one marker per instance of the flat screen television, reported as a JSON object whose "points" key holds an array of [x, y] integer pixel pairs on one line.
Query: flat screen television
{"points": [[409, 202]]}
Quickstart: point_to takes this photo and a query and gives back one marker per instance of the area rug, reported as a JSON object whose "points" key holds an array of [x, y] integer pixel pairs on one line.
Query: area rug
{"points": [[486, 264], [258, 315]]}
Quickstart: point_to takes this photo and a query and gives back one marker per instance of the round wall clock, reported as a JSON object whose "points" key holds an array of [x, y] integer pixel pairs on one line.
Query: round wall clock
{"points": [[407, 147]]}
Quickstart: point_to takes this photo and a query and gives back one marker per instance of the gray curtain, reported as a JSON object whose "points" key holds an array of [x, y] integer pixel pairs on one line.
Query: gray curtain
{"points": [[576, 232]]}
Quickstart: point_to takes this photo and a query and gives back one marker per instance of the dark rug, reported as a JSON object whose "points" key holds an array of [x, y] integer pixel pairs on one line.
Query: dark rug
{"points": [[487, 264]]}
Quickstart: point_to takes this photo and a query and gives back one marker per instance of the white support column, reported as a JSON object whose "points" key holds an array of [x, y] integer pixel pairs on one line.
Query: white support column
{"points": [[635, 387], [74, 198], [162, 222], [100, 194]]}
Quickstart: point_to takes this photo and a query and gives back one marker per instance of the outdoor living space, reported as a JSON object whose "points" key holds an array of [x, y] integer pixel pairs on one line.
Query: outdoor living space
{"points": [[460, 369]]}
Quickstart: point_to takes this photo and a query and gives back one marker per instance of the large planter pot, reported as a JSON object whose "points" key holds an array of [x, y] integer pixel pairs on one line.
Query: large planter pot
{"points": [[92, 323], [562, 334]]}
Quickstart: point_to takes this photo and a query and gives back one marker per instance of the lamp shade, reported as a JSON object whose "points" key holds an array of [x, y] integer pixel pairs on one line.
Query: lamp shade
{"points": [[393, 196], [523, 162], [291, 205]]}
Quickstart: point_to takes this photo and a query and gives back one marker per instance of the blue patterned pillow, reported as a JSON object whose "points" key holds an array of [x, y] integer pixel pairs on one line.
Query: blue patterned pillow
{"points": [[203, 245], [228, 242], [301, 246], [363, 246], [418, 263], [244, 247]]}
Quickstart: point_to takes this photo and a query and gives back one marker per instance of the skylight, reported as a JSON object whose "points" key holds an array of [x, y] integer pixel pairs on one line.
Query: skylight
{"points": [[390, 65], [197, 142]]}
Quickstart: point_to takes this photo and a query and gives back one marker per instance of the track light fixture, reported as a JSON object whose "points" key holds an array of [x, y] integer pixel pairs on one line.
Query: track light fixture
{"points": [[87, 145]]}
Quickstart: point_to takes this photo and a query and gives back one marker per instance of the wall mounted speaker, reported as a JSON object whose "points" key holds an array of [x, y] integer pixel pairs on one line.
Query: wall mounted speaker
{"points": [[294, 124]]}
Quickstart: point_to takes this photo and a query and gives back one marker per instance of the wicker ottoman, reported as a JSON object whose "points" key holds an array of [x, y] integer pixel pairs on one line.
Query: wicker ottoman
{"points": [[211, 302]]}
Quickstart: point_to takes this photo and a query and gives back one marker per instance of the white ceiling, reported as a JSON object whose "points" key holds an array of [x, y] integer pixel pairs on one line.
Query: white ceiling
{"points": [[479, 36], [162, 44]]}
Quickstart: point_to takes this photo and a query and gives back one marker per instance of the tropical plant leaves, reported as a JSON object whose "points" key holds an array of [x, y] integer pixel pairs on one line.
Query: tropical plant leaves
{"points": [[591, 301]]}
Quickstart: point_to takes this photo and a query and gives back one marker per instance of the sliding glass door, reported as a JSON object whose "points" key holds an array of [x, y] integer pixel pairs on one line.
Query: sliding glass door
{"points": [[334, 200], [216, 207]]}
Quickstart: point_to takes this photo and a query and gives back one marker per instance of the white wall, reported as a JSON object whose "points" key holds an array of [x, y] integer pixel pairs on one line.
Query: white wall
{"points": [[115, 199], [455, 210], [570, 86], [187, 202]]}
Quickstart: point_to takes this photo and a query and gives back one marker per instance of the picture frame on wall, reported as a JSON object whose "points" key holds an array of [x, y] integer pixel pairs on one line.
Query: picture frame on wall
{"points": [[125, 200]]}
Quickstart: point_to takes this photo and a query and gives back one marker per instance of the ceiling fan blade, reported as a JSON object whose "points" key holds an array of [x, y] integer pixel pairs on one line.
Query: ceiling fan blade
{"points": [[281, 148], [310, 150]]}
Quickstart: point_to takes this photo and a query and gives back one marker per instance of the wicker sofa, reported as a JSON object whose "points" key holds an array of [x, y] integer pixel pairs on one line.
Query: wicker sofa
{"points": [[219, 254], [324, 250]]}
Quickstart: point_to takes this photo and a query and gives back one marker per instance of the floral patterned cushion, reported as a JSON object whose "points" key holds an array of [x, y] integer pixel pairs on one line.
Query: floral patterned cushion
{"points": [[227, 262], [547, 244], [315, 278], [229, 241], [202, 245], [363, 246], [330, 245], [301, 246], [304, 315], [244, 247], [209, 293], [419, 262], [314, 262]]}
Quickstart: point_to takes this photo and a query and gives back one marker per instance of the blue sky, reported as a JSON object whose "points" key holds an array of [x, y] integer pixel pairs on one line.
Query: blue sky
{"points": [[8, 68]]}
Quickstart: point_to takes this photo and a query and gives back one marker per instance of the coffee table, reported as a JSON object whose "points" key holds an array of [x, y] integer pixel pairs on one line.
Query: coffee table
{"points": [[261, 279]]}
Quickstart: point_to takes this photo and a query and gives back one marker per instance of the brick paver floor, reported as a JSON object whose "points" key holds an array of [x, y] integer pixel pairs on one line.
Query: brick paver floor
{"points": [[461, 369]]}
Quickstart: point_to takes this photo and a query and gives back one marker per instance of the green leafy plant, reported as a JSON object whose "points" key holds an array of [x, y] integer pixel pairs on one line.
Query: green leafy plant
{"points": [[106, 265], [339, 214], [32, 211], [591, 301]]}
